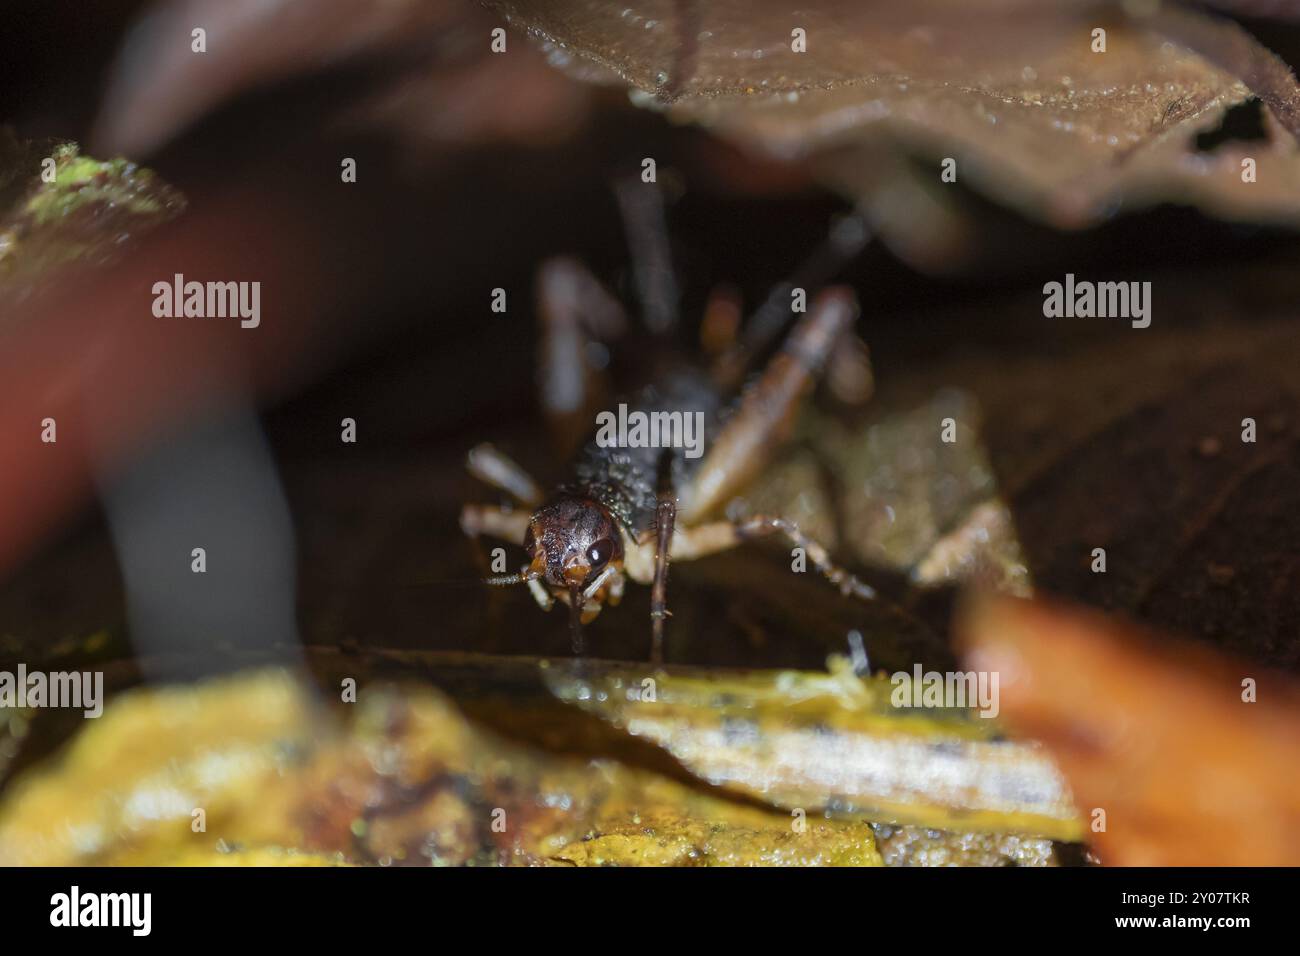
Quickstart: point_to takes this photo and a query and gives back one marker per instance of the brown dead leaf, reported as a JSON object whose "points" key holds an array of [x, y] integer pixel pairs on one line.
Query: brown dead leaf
{"points": [[1011, 90]]}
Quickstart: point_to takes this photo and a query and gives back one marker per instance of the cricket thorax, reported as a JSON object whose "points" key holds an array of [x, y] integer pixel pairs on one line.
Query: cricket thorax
{"points": [[626, 480]]}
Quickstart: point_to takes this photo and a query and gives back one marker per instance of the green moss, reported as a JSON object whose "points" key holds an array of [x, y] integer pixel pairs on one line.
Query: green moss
{"points": [[81, 181], [82, 216]]}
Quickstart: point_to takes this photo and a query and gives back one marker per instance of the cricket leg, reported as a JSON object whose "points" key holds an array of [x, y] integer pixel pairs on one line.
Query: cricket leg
{"points": [[574, 309], [768, 408], [665, 520], [505, 524], [849, 374], [763, 525], [642, 207], [492, 466], [495, 468], [501, 523], [716, 536], [721, 323], [847, 237], [540, 594]]}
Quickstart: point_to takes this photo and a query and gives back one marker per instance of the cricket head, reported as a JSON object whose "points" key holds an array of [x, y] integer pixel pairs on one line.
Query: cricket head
{"points": [[576, 552], [574, 545]]}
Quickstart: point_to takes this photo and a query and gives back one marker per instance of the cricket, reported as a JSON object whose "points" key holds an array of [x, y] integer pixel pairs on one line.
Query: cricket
{"points": [[629, 510]]}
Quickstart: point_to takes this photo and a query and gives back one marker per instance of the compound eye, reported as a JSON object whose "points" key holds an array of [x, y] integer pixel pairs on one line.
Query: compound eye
{"points": [[598, 554]]}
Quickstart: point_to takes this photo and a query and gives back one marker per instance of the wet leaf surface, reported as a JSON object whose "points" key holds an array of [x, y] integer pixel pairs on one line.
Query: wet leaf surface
{"points": [[399, 778], [832, 742], [916, 846]]}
